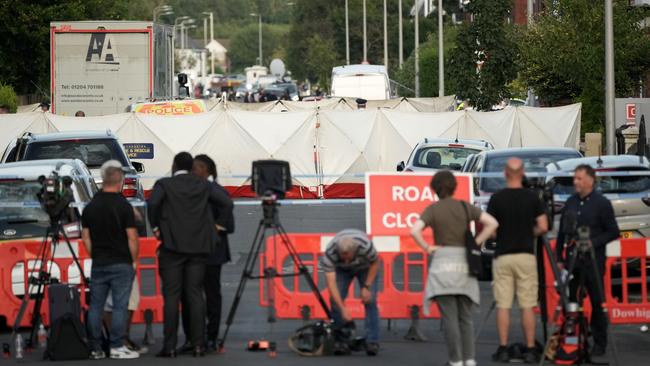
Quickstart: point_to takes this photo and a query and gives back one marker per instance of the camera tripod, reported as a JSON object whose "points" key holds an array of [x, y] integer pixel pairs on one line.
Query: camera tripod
{"points": [[270, 221], [45, 260], [580, 251]]}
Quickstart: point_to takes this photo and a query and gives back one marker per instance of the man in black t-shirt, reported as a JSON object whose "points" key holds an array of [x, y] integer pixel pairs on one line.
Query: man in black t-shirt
{"points": [[521, 217], [111, 238]]}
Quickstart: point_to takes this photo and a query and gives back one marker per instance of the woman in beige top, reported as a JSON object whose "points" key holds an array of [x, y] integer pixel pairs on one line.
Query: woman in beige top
{"points": [[449, 282]]}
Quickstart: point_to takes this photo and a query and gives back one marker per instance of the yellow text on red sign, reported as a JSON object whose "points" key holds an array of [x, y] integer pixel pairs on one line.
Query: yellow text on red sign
{"points": [[172, 108]]}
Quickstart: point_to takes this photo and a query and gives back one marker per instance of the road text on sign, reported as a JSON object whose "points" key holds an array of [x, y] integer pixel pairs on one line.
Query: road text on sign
{"points": [[394, 201]]}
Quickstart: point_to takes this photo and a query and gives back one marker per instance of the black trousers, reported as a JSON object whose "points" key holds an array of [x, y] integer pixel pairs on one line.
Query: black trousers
{"points": [[182, 277], [585, 274], [213, 301]]}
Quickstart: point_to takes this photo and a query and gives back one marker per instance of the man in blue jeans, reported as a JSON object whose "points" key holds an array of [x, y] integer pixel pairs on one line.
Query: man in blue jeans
{"points": [[349, 255], [110, 236]]}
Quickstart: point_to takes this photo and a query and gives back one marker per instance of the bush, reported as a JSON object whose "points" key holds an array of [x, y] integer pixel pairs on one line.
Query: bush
{"points": [[8, 98]]}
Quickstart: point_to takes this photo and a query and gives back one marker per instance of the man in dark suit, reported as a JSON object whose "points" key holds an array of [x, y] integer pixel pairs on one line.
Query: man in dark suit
{"points": [[205, 168], [181, 217]]}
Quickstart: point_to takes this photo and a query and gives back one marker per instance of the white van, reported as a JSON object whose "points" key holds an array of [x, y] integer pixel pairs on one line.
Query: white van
{"points": [[369, 82]]}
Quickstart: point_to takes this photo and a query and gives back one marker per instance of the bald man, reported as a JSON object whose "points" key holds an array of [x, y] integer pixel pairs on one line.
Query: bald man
{"points": [[521, 218]]}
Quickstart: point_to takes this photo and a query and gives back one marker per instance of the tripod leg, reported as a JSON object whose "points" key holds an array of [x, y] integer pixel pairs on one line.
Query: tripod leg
{"points": [[40, 259], [246, 274], [303, 270], [75, 259]]}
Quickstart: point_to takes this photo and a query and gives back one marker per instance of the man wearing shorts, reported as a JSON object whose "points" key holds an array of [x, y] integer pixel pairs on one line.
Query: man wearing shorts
{"points": [[521, 216]]}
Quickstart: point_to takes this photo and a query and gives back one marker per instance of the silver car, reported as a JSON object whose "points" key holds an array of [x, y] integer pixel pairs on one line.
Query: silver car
{"points": [[435, 154], [630, 195], [21, 216]]}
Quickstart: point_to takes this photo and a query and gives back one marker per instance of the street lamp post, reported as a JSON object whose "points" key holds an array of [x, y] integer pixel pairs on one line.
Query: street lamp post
{"points": [[162, 10], [417, 49], [385, 36], [176, 23], [211, 14], [347, 35], [260, 35], [401, 35], [609, 77], [441, 56], [365, 39]]}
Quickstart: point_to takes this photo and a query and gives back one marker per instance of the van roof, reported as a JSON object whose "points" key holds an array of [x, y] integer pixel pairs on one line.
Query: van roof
{"points": [[359, 69]]}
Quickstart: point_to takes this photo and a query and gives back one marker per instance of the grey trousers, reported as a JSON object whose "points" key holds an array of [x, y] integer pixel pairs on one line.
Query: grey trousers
{"points": [[456, 311]]}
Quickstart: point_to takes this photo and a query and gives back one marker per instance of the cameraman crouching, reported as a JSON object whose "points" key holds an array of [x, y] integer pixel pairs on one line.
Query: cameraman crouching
{"points": [[587, 208], [349, 255], [111, 238]]}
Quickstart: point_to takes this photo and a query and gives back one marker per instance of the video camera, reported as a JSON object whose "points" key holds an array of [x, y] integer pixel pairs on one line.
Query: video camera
{"points": [[326, 339], [55, 195], [544, 191]]}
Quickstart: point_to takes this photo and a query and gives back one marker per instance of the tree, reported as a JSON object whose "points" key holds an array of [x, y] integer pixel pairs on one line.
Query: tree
{"points": [[8, 98], [25, 37], [563, 56], [483, 63], [244, 49], [428, 67], [321, 57]]}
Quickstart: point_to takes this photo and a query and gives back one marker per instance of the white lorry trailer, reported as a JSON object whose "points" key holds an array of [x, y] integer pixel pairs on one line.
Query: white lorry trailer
{"points": [[369, 82], [102, 67]]}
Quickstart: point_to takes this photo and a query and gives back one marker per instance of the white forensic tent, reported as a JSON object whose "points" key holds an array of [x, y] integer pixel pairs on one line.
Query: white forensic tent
{"points": [[325, 147]]}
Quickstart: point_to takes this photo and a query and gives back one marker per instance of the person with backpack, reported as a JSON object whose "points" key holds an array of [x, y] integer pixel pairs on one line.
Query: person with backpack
{"points": [[110, 236], [449, 282]]}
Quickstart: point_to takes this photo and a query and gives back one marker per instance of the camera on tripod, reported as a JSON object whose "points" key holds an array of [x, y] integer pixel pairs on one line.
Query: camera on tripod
{"points": [[55, 195]]}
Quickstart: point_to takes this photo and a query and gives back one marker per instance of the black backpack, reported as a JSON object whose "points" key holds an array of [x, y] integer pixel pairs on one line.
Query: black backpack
{"points": [[67, 340]]}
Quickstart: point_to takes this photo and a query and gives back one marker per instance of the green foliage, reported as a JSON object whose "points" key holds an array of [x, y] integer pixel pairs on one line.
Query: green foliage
{"points": [[8, 98], [320, 59], [486, 40], [244, 45], [428, 67], [562, 56]]}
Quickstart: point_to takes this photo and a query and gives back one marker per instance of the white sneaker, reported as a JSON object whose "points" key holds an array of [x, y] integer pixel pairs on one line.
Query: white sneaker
{"points": [[470, 363], [97, 355], [123, 353]]}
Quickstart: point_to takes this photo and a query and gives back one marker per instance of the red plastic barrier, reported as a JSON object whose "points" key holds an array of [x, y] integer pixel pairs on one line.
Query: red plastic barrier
{"points": [[627, 260], [396, 296], [17, 262]]}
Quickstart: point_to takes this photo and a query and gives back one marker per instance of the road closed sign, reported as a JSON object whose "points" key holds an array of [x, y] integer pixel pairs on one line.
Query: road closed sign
{"points": [[394, 201]]}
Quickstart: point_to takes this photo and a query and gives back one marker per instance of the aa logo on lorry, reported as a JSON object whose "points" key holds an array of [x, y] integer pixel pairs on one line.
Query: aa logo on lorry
{"points": [[101, 49]]}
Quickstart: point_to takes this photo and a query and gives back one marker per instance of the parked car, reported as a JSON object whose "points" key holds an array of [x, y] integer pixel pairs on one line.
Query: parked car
{"points": [[21, 216], [535, 160], [93, 148], [630, 195], [494, 161], [435, 154]]}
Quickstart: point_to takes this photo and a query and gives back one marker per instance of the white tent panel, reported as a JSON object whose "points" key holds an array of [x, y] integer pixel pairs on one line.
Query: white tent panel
{"points": [[111, 122], [495, 127], [13, 126], [299, 151], [180, 133], [232, 148], [386, 145], [414, 127], [557, 126], [342, 140], [271, 130]]}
